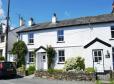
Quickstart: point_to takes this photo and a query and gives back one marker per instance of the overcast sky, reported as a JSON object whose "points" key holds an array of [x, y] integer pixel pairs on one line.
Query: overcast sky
{"points": [[42, 10]]}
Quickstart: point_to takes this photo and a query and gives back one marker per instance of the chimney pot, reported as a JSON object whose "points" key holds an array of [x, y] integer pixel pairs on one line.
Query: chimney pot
{"points": [[54, 18], [31, 22], [21, 22]]}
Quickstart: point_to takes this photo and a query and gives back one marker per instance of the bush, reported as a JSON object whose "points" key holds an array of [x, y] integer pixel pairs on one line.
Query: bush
{"points": [[31, 70], [50, 70], [2, 58], [89, 70], [21, 69], [76, 63]]}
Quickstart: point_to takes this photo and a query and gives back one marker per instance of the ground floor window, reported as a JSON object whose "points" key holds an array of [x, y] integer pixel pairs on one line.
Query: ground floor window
{"points": [[31, 57], [61, 55], [97, 55], [113, 56], [1, 52]]}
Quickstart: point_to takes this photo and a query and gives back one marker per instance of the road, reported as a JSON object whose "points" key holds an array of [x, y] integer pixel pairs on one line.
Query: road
{"points": [[40, 81]]}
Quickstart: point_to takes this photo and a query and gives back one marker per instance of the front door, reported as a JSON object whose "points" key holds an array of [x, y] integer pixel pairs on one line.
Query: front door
{"points": [[98, 58], [42, 61]]}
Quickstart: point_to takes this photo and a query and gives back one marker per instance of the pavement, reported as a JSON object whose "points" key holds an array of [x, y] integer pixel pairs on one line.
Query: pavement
{"points": [[33, 80]]}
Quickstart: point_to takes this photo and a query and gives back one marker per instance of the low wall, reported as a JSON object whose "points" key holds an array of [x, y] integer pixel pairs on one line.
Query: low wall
{"points": [[65, 75]]}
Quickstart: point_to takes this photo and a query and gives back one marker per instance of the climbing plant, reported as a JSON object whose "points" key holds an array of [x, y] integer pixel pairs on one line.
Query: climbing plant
{"points": [[51, 55], [19, 49]]}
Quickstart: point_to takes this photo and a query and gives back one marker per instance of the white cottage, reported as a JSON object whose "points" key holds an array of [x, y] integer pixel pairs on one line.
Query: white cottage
{"points": [[12, 38], [90, 37]]}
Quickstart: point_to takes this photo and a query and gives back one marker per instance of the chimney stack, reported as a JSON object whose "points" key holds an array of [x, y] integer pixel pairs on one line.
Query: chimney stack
{"points": [[31, 22], [113, 7], [54, 18], [21, 22]]}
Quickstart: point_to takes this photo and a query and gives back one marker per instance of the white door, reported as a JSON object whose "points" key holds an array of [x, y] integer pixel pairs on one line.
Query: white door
{"points": [[98, 58], [42, 61]]}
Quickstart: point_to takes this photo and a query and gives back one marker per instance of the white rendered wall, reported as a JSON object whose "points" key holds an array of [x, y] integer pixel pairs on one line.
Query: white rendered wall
{"points": [[74, 39]]}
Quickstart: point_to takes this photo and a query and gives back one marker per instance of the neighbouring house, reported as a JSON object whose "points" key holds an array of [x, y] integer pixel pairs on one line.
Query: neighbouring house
{"points": [[12, 38], [90, 37]]}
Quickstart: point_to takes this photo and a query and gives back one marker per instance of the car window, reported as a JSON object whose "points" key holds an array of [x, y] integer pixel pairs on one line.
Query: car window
{"points": [[8, 65]]}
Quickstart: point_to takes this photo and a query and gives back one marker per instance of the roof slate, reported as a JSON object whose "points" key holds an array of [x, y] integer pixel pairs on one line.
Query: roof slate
{"points": [[105, 18]]}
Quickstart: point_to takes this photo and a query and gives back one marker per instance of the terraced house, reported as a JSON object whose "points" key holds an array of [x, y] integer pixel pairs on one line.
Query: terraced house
{"points": [[90, 37]]}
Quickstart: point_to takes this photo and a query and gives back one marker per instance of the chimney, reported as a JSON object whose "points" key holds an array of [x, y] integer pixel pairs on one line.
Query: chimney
{"points": [[21, 22], [54, 18], [31, 22], [113, 7]]}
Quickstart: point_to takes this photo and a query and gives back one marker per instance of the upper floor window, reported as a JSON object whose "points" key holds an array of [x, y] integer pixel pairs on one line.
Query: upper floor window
{"points": [[60, 35], [2, 38], [31, 57], [31, 38], [112, 31], [61, 56]]}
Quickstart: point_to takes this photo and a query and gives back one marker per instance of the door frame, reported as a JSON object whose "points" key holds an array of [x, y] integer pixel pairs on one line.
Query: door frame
{"points": [[94, 60], [40, 58]]}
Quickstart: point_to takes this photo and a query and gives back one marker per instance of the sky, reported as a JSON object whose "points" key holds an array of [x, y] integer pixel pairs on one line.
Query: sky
{"points": [[42, 10]]}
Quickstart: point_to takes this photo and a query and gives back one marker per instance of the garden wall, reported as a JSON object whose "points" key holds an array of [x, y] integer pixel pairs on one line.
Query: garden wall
{"points": [[65, 75]]}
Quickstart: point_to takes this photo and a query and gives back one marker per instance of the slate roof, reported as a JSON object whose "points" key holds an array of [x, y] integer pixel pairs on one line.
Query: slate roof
{"points": [[105, 18]]}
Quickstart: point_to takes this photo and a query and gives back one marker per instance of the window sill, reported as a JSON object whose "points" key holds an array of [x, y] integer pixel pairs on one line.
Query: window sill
{"points": [[30, 43], [60, 41], [111, 39], [61, 63]]}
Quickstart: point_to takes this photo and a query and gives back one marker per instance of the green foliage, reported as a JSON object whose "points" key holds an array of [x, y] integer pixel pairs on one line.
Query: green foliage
{"points": [[19, 49], [89, 70], [76, 63], [31, 70], [2, 58], [20, 69], [51, 55], [50, 70]]}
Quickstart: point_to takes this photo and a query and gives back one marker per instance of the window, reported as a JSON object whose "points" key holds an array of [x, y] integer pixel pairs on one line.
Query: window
{"points": [[2, 38], [1, 52], [31, 38], [112, 31], [60, 35], [97, 55], [20, 37], [61, 56], [31, 57]]}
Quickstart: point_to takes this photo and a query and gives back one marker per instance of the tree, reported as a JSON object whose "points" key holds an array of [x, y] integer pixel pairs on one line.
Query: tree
{"points": [[51, 55], [19, 49]]}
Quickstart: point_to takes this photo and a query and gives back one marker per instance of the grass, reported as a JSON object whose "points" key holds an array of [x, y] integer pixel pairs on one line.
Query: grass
{"points": [[99, 82]]}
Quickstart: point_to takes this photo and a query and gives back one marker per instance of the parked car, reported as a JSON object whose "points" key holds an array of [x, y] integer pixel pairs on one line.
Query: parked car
{"points": [[7, 69]]}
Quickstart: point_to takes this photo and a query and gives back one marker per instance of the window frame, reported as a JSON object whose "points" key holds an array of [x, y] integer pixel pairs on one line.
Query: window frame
{"points": [[61, 56], [99, 58], [30, 38], [112, 30], [31, 56], [2, 39], [1, 52], [60, 35]]}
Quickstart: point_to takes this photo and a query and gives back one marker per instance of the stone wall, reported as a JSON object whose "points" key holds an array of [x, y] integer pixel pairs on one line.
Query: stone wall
{"points": [[65, 75]]}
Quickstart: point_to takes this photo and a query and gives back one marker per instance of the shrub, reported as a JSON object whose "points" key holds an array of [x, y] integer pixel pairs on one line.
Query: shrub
{"points": [[51, 55], [2, 58], [21, 69], [89, 70], [31, 70], [50, 70], [76, 63]]}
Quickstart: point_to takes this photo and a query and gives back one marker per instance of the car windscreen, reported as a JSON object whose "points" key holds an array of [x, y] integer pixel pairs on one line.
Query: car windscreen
{"points": [[8, 65]]}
